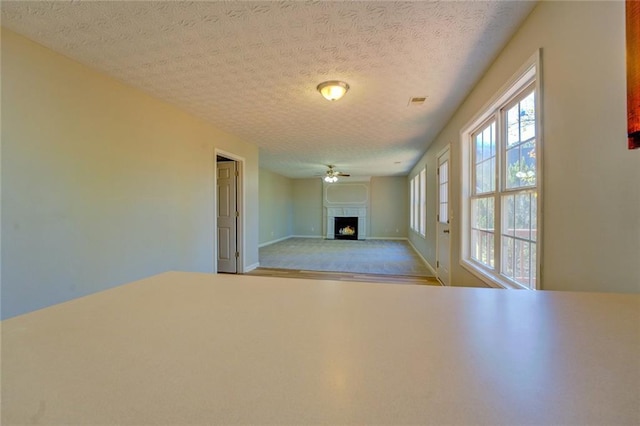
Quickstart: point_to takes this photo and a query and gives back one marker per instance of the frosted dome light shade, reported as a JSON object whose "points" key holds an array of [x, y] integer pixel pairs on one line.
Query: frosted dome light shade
{"points": [[333, 90]]}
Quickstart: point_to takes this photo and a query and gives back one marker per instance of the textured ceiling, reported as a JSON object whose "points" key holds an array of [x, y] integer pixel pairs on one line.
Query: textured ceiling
{"points": [[251, 68]]}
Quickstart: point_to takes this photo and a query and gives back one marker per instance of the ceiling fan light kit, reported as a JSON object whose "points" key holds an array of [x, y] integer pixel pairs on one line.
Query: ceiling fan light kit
{"points": [[333, 90], [331, 176]]}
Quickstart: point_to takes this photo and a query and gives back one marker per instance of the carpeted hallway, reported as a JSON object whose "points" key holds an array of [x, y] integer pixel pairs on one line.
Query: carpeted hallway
{"points": [[386, 257]]}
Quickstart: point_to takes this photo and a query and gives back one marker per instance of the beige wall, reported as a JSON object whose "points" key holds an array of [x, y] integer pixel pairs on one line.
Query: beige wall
{"points": [[276, 206], [389, 207], [425, 244], [591, 219], [307, 207], [387, 216], [102, 184]]}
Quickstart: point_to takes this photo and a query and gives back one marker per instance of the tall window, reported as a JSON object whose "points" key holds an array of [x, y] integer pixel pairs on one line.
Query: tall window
{"points": [[412, 204], [501, 177], [418, 202], [423, 202]]}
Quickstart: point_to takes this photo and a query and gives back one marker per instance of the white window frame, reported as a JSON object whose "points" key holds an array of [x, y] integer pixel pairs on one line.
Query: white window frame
{"points": [[529, 74]]}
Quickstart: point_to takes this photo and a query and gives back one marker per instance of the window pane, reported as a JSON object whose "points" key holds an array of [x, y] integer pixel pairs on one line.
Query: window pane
{"points": [[522, 264], [493, 139], [482, 223], [482, 249], [513, 167], [518, 237], [412, 218], [486, 142], [527, 118], [534, 263], [507, 257], [443, 213], [519, 259], [416, 198], [534, 216], [490, 214], [444, 192], [423, 200], [482, 214], [444, 172], [508, 215], [484, 147], [527, 172], [492, 175], [474, 252], [486, 176], [523, 216], [490, 250], [411, 203], [513, 126], [478, 149], [479, 179], [520, 161], [476, 212]]}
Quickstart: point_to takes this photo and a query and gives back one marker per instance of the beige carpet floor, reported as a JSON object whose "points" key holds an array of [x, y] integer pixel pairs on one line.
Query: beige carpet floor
{"points": [[387, 257]]}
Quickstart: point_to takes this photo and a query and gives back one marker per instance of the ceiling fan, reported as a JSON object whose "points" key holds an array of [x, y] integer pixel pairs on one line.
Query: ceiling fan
{"points": [[332, 174]]}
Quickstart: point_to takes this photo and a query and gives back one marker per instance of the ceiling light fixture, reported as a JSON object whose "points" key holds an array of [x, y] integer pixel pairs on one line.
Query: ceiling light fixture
{"points": [[330, 179], [333, 90]]}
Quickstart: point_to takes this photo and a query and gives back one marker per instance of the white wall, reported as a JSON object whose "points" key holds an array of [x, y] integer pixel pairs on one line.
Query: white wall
{"points": [[276, 206], [101, 184], [591, 218]]}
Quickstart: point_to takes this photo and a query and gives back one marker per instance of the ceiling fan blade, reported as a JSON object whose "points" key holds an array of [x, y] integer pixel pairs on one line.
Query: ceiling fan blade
{"points": [[332, 172]]}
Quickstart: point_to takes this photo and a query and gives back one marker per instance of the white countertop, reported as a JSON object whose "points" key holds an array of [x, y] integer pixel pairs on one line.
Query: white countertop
{"points": [[187, 348]]}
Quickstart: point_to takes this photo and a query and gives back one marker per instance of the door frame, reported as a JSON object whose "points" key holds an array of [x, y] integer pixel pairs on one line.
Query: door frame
{"points": [[240, 203], [443, 151]]}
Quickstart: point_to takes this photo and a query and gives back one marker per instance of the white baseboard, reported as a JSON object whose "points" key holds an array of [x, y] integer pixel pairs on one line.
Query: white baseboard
{"points": [[251, 267], [268, 243], [388, 238], [433, 271]]}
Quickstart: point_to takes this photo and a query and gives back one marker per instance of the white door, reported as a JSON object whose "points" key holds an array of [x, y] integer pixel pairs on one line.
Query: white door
{"points": [[443, 217], [227, 217]]}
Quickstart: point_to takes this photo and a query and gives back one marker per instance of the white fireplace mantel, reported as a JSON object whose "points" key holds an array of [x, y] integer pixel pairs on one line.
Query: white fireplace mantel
{"points": [[359, 212]]}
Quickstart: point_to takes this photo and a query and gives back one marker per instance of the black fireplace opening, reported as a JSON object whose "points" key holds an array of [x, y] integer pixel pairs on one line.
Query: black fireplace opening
{"points": [[346, 228]]}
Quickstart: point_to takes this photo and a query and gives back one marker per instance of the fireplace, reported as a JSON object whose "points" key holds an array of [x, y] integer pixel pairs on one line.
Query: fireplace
{"points": [[346, 228], [357, 230]]}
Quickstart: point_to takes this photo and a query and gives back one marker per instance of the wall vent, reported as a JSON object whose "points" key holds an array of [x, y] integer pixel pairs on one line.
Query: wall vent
{"points": [[417, 101]]}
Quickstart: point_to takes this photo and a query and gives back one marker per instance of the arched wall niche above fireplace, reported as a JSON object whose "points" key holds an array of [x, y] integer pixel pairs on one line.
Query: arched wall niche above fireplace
{"points": [[347, 193]]}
